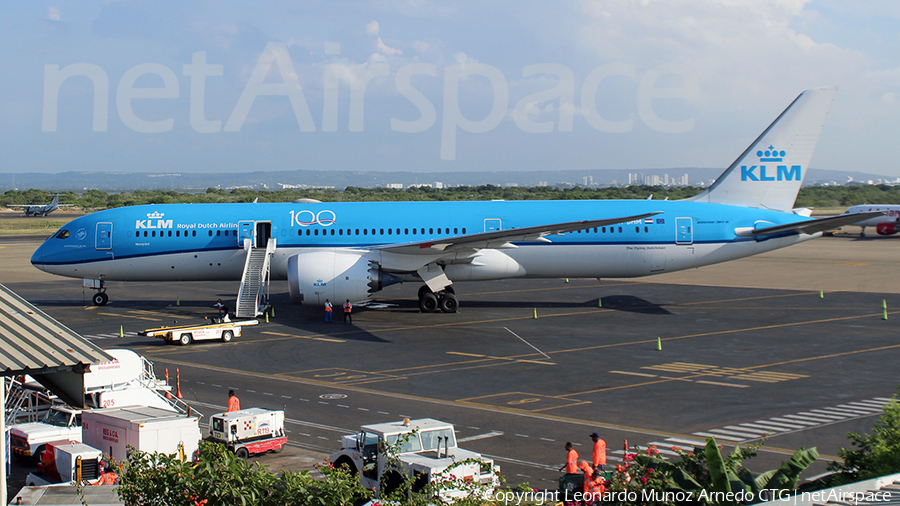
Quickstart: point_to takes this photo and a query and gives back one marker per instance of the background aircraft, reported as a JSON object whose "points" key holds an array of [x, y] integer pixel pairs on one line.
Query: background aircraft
{"points": [[884, 223], [343, 251], [36, 210]]}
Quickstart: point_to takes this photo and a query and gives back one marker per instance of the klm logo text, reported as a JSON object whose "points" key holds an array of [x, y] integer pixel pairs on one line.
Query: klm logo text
{"points": [[758, 173], [153, 224]]}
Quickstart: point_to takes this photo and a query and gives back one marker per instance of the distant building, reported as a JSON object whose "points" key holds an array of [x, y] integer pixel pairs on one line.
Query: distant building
{"points": [[394, 186]]}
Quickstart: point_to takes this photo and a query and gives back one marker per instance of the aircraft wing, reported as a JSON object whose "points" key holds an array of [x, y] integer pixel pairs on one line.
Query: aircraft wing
{"points": [[502, 238], [811, 226]]}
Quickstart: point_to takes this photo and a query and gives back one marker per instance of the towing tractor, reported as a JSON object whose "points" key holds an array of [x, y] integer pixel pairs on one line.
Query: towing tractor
{"points": [[249, 431], [426, 453], [184, 335]]}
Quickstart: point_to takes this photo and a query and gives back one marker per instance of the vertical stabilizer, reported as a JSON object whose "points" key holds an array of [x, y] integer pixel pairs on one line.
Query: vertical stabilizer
{"points": [[769, 173]]}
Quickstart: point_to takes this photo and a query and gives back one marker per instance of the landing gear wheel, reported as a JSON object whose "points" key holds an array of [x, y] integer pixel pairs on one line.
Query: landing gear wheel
{"points": [[100, 299], [428, 302], [449, 303], [185, 339], [449, 289], [227, 336], [423, 290], [242, 453]]}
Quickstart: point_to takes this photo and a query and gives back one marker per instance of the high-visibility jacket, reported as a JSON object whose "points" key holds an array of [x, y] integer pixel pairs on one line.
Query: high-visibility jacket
{"points": [[348, 307], [107, 478], [572, 462], [599, 453], [234, 404], [328, 307], [593, 490]]}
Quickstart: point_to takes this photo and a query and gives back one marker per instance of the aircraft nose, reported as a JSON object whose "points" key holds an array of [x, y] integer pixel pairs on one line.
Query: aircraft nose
{"points": [[37, 259]]}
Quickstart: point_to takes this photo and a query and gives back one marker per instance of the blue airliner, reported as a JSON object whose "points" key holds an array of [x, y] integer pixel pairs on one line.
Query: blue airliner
{"points": [[340, 251]]}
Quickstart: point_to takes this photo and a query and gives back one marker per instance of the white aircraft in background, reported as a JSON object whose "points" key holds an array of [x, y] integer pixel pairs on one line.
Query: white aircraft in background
{"points": [[35, 210], [885, 224]]}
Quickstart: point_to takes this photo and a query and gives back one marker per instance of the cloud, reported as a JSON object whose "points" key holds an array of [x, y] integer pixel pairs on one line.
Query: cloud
{"points": [[372, 28], [52, 14]]}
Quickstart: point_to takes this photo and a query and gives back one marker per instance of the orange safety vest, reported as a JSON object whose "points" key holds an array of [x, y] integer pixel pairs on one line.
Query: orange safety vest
{"points": [[348, 307], [234, 404], [107, 479], [572, 462], [328, 307], [599, 453]]}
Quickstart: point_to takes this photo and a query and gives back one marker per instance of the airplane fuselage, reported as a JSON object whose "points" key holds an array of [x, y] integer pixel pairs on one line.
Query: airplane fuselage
{"points": [[181, 242]]}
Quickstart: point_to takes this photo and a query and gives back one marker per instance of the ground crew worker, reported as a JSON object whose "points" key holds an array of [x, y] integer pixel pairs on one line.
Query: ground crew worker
{"points": [[223, 309], [328, 310], [594, 492], [234, 404], [348, 308], [588, 473], [599, 453], [107, 477], [571, 465]]}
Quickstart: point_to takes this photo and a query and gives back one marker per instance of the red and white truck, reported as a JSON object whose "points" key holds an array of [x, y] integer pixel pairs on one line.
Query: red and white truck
{"points": [[128, 380], [67, 462], [144, 428], [184, 335], [249, 431]]}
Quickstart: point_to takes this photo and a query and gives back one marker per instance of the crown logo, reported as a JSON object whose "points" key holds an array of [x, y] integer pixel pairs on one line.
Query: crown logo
{"points": [[155, 215], [771, 155]]}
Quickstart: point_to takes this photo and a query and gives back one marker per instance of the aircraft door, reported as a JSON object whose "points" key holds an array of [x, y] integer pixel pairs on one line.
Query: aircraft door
{"points": [[684, 231], [263, 233], [245, 231], [104, 236], [492, 225]]}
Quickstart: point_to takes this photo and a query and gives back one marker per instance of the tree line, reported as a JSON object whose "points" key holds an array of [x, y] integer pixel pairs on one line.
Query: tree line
{"points": [[822, 196]]}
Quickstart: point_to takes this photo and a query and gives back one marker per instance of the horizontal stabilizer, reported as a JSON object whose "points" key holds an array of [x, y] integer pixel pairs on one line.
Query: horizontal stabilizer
{"points": [[811, 226], [503, 238]]}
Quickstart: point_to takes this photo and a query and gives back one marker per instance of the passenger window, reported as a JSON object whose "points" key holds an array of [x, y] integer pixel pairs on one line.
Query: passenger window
{"points": [[603, 229], [414, 231], [389, 231], [455, 230], [218, 233], [153, 234], [178, 233], [340, 231], [316, 232], [210, 233], [464, 230], [365, 231], [169, 234], [332, 231], [620, 230], [637, 229], [430, 231], [423, 231], [357, 231], [406, 231], [193, 233], [300, 232], [646, 229], [380, 231]]}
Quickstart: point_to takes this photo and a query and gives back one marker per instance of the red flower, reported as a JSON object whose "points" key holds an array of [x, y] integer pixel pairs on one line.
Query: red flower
{"points": [[644, 479]]}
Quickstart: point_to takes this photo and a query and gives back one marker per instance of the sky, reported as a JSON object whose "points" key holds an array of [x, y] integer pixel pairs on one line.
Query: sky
{"points": [[420, 85]]}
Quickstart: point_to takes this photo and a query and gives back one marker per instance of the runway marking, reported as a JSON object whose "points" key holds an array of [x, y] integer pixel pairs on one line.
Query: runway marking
{"points": [[126, 316], [480, 436], [634, 374], [529, 344], [328, 339], [853, 264], [723, 384], [499, 358], [525, 401], [592, 424]]}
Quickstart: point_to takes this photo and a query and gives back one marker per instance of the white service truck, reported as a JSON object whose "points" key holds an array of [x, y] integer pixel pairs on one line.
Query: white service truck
{"points": [[124, 381], [249, 431], [67, 462], [186, 334], [426, 448], [145, 428]]}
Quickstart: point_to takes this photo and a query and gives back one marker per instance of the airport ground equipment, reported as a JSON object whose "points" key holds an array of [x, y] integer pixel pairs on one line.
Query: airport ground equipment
{"points": [[144, 428], [186, 334], [128, 380], [67, 462], [249, 431], [425, 449]]}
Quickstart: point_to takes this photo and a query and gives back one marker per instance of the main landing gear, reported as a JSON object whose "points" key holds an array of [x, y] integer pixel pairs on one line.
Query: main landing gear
{"points": [[445, 300]]}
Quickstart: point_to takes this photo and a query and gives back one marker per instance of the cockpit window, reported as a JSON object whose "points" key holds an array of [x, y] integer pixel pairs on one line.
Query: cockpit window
{"points": [[62, 234]]}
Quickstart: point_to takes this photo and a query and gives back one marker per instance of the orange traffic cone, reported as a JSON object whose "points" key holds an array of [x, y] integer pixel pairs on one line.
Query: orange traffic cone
{"points": [[178, 384], [168, 391]]}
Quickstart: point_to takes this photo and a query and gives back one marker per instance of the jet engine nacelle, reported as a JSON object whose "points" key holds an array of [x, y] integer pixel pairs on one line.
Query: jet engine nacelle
{"points": [[886, 228], [336, 274]]}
